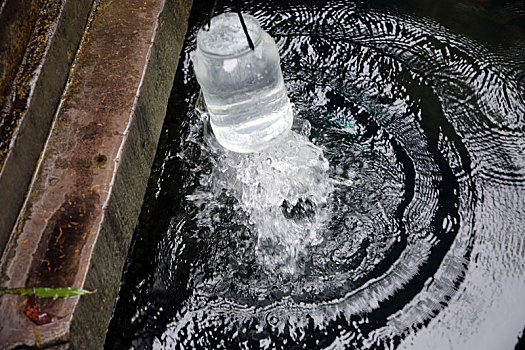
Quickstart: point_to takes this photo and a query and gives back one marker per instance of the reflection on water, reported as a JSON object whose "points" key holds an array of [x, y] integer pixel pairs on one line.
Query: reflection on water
{"points": [[390, 218]]}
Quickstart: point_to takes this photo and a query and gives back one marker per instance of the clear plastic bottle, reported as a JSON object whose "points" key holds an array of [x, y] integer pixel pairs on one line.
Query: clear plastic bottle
{"points": [[243, 88]]}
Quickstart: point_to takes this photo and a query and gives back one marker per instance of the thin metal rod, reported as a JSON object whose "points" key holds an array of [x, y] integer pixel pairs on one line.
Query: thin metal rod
{"points": [[250, 42], [208, 22]]}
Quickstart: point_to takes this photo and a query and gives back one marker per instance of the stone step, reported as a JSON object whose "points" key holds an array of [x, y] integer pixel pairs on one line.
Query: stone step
{"points": [[38, 41]]}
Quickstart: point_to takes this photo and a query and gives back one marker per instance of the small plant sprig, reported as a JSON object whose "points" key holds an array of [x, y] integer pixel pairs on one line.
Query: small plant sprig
{"points": [[46, 292], [32, 307]]}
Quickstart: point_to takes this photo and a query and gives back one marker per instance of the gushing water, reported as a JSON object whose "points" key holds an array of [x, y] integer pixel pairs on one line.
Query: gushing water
{"points": [[283, 191]]}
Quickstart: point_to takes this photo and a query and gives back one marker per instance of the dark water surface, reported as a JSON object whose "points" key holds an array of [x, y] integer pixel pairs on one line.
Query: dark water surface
{"points": [[392, 217]]}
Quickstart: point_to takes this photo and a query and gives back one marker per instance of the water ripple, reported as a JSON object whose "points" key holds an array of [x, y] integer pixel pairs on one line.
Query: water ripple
{"points": [[408, 210]]}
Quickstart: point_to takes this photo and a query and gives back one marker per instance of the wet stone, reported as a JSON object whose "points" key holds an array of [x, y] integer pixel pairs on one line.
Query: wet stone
{"points": [[75, 227]]}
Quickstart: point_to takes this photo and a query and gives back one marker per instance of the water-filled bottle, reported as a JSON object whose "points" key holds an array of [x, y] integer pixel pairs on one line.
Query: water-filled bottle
{"points": [[243, 89]]}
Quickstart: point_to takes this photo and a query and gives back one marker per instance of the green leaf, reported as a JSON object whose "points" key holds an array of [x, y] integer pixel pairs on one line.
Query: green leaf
{"points": [[47, 292]]}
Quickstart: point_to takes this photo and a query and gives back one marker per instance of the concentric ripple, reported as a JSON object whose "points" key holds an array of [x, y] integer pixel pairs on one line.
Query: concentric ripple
{"points": [[395, 205]]}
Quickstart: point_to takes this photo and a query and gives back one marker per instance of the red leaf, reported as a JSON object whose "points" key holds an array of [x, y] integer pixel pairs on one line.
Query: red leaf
{"points": [[32, 311]]}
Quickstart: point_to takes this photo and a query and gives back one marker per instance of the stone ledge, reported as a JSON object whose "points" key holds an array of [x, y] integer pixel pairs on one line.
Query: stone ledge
{"points": [[76, 224]]}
